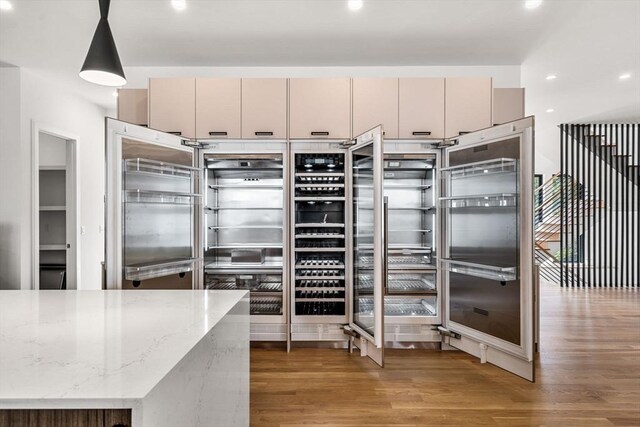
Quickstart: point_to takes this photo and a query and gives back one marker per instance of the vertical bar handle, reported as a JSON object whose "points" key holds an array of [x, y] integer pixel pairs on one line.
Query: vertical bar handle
{"points": [[385, 247]]}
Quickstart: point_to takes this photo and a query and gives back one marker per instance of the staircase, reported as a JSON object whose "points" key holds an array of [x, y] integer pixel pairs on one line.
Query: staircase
{"points": [[552, 225], [610, 143]]}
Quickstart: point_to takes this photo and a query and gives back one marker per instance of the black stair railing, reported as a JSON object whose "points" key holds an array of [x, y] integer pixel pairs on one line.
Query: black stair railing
{"points": [[599, 217]]}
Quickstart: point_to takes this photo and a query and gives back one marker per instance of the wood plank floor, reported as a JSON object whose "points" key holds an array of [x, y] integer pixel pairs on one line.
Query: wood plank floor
{"points": [[588, 375]]}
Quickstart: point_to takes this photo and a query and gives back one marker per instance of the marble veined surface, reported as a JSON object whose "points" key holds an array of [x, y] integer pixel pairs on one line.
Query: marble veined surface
{"points": [[103, 345]]}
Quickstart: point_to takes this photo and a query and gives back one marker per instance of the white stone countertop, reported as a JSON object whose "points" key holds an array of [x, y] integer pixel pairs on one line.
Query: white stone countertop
{"points": [[99, 345]]}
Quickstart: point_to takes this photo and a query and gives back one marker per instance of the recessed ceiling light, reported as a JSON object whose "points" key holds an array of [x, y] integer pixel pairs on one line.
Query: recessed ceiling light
{"points": [[179, 4], [550, 110], [625, 76], [532, 4], [355, 4], [551, 77], [5, 5]]}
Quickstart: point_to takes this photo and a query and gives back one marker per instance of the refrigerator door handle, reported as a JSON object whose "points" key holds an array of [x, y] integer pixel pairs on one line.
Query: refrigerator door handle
{"points": [[385, 245]]}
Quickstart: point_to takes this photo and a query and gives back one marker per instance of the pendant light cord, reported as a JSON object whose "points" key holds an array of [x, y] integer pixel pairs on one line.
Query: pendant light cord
{"points": [[104, 8]]}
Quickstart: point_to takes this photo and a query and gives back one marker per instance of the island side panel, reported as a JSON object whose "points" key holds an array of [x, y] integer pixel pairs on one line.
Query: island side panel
{"points": [[210, 385]]}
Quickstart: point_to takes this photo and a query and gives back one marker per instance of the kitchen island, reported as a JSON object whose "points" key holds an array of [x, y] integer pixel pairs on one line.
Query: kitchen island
{"points": [[131, 358]]}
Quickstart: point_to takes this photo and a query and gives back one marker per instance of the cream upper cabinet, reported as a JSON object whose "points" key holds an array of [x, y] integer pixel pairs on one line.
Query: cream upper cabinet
{"points": [[508, 105], [133, 106], [375, 102], [172, 105], [218, 103], [264, 108], [320, 108], [467, 104], [421, 107]]}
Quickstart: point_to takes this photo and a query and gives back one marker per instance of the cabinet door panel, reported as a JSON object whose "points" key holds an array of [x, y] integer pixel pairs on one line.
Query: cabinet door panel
{"points": [[508, 105], [264, 108], [375, 102], [468, 104], [217, 108], [320, 108], [421, 108], [172, 104], [133, 106]]}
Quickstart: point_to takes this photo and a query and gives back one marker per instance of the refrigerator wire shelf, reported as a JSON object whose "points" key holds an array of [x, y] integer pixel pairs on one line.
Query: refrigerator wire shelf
{"points": [[319, 245], [482, 168], [319, 178], [319, 236], [319, 286], [328, 283], [266, 306], [484, 271], [158, 168], [400, 283], [154, 269], [400, 261], [319, 263], [232, 285], [500, 200], [160, 197], [319, 275], [319, 308], [400, 307]]}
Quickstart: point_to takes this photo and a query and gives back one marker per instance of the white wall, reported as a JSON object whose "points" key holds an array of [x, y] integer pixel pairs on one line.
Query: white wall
{"points": [[10, 150], [43, 102], [53, 150], [587, 53]]}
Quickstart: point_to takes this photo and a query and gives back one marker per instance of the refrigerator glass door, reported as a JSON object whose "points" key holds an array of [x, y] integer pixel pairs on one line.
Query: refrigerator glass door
{"points": [[366, 314], [487, 186]]}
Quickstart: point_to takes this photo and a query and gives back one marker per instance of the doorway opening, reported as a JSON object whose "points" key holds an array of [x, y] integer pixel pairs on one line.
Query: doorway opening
{"points": [[55, 216]]}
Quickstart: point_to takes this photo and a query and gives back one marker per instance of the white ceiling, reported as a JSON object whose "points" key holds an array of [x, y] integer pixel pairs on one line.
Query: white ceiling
{"points": [[56, 33], [53, 35]]}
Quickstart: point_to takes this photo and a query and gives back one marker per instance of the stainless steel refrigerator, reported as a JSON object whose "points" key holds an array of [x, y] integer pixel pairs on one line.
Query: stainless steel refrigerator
{"points": [[366, 241]]}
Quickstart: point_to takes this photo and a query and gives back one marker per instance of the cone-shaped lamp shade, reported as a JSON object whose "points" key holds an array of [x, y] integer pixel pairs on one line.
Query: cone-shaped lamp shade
{"points": [[102, 65]]}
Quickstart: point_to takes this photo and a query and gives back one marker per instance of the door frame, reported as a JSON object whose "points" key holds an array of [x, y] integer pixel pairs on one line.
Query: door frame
{"points": [[72, 211]]}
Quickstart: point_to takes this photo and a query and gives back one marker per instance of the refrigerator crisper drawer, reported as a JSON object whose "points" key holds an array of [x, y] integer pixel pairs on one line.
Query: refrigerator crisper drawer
{"points": [[486, 305], [247, 256]]}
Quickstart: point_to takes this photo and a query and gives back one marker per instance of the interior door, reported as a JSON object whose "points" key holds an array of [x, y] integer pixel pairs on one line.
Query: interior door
{"points": [[487, 181], [153, 210], [366, 315]]}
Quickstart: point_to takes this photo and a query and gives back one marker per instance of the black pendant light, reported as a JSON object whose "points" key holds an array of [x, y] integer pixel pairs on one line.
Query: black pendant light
{"points": [[102, 65]]}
